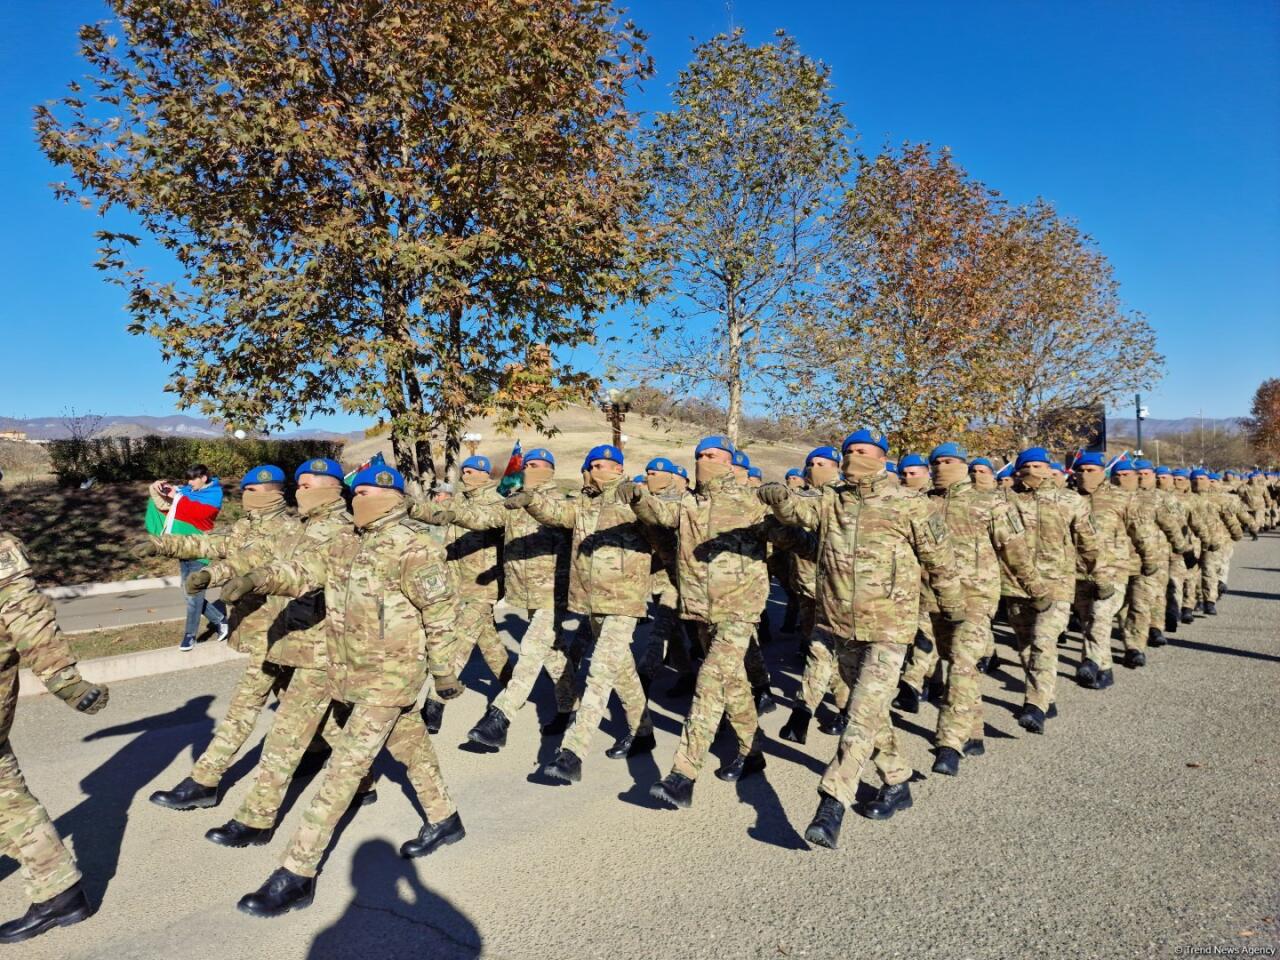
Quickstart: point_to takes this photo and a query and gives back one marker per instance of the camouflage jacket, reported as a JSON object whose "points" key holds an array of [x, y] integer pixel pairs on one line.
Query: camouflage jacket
{"points": [[472, 552], [721, 539], [873, 536], [1254, 496], [984, 531], [1127, 537], [803, 555], [1167, 517], [1059, 533], [1234, 506], [28, 631], [255, 620], [612, 554], [535, 557], [1222, 517], [390, 604]]}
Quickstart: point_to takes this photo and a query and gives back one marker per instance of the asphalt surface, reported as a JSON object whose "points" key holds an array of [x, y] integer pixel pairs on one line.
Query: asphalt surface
{"points": [[122, 609], [1146, 822]]}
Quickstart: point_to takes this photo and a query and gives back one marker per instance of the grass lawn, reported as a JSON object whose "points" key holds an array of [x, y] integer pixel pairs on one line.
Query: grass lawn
{"points": [[142, 636]]}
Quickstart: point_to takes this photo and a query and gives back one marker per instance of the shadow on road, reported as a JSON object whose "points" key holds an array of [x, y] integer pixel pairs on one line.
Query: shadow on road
{"points": [[98, 822], [1216, 648], [392, 915]]}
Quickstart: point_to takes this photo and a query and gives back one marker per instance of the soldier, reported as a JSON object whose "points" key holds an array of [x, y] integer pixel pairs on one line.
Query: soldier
{"points": [[982, 473], [1228, 503], [820, 669], [1224, 527], [682, 479], [666, 629], [1057, 530], [757, 672], [914, 471], [1167, 522], [755, 477], [1254, 495], [390, 605], [795, 478], [724, 585], [1179, 563], [28, 631], [535, 561], [609, 577], [266, 524], [1122, 528], [1004, 478], [474, 555], [872, 537]]}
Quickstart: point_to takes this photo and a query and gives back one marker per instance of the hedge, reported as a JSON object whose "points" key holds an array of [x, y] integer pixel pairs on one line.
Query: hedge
{"points": [[119, 459]]}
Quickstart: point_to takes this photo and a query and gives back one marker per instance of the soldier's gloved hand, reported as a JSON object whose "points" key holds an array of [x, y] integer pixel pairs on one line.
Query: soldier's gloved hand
{"points": [[75, 691], [149, 547], [518, 500], [238, 587], [447, 688], [1149, 567], [197, 581], [773, 493], [628, 492], [1103, 591], [1191, 559], [1041, 604]]}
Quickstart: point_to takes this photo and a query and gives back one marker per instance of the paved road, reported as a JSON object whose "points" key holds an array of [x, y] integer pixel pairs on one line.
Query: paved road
{"points": [[122, 609], [1146, 822]]}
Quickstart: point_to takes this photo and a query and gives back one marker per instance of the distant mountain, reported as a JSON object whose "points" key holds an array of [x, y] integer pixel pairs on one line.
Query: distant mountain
{"points": [[177, 425], [1120, 425]]}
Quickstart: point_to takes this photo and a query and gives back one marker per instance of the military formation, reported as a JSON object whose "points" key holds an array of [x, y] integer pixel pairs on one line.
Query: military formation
{"points": [[360, 609]]}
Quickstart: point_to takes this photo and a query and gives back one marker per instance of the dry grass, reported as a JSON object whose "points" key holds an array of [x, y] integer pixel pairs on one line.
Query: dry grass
{"points": [[117, 640]]}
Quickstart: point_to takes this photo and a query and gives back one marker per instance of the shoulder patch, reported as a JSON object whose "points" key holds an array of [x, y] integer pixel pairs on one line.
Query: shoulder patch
{"points": [[13, 559], [937, 528]]}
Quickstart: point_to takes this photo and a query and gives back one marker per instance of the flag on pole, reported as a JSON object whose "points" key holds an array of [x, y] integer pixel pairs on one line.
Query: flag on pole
{"points": [[513, 477], [1123, 455], [377, 460]]}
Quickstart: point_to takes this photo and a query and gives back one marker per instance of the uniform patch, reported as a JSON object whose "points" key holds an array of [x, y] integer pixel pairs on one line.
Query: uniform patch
{"points": [[937, 528], [384, 479], [1015, 521], [264, 476], [319, 466]]}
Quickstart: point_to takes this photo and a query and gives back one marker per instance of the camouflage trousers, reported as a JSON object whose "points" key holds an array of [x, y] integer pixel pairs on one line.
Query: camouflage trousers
{"points": [[256, 682], [366, 731], [757, 672], [871, 671], [1096, 618], [1211, 572], [1227, 553], [541, 648], [1146, 606], [665, 633], [962, 646], [29, 836], [924, 653], [612, 671], [821, 671], [1191, 585], [475, 628], [1036, 640], [722, 689], [1178, 579]]}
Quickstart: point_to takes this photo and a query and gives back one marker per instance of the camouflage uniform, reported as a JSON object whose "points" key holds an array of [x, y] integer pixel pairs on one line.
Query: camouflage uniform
{"points": [[473, 553], [872, 537], [724, 586], [255, 623], [28, 630], [1254, 496], [390, 605], [1225, 528], [1058, 528], [610, 565], [820, 666], [535, 563], [666, 629], [1164, 520], [1230, 503]]}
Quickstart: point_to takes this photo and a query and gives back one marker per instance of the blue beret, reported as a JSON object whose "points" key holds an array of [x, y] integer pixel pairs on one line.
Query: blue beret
{"points": [[829, 453], [1163, 471], [1058, 466], [263, 473], [1033, 455], [661, 465], [891, 466], [1089, 460], [754, 472], [682, 472], [911, 460], [638, 478], [477, 463], [1005, 471], [1143, 465], [1230, 473], [1256, 473], [605, 451], [540, 453], [1122, 466], [713, 443], [1200, 472], [320, 467], [740, 459], [981, 462], [948, 449], [866, 436], [795, 472], [379, 476], [1182, 472]]}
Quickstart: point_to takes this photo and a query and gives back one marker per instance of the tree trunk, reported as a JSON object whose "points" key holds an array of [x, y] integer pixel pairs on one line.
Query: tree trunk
{"points": [[733, 368], [451, 415]]}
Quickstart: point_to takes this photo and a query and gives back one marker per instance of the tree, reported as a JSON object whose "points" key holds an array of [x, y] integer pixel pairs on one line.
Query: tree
{"points": [[1263, 426], [401, 209], [743, 174]]}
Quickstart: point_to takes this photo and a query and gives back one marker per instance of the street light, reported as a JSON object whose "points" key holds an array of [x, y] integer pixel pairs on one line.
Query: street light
{"points": [[615, 407], [472, 440]]}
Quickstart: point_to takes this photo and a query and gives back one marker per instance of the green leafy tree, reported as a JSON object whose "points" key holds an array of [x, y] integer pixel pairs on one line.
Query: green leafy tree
{"points": [[1263, 426], [401, 209]]}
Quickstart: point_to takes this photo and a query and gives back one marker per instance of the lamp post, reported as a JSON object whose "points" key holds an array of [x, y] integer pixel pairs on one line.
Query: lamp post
{"points": [[472, 441], [1141, 414], [615, 407]]}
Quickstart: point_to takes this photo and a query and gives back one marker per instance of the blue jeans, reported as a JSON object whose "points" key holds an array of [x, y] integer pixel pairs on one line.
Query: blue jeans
{"points": [[196, 605]]}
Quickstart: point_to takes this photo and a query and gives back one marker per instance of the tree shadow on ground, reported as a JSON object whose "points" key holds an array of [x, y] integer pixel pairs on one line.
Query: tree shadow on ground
{"points": [[392, 915], [1216, 648]]}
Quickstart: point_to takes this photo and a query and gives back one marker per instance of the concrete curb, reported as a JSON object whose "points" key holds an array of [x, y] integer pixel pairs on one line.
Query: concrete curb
{"points": [[77, 590], [144, 663]]}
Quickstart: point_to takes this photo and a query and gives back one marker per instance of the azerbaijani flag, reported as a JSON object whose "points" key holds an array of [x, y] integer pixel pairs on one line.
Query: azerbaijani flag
{"points": [[513, 477], [377, 460], [192, 511]]}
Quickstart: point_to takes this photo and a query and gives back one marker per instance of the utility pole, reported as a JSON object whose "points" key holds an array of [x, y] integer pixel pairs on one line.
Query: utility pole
{"points": [[1140, 414], [1157, 443]]}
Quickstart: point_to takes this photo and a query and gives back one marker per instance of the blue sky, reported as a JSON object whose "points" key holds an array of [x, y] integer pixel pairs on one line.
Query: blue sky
{"points": [[1156, 125]]}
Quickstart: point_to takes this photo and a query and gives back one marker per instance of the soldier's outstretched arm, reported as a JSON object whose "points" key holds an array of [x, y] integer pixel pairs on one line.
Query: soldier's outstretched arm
{"points": [[552, 512], [1231, 520], [796, 511], [1009, 539], [476, 515], [200, 546], [1145, 536], [1084, 534], [1170, 524], [432, 512], [932, 544], [654, 511], [295, 577]]}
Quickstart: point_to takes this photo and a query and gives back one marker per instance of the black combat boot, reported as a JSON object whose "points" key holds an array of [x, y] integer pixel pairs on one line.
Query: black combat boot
{"points": [[1133, 659], [566, 766], [1222, 589], [1211, 608], [947, 761], [557, 726], [888, 801], [188, 795], [765, 702], [631, 745], [1199, 607], [983, 664], [796, 729], [283, 891], [675, 789], [491, 731], [1155, 638], [1171, 613], [908, 698], [1106, 679], [365, 798], [974, 748], [824, 830], [1031, 719], [504, 677], [835, 724], [433, 715], [740, 767], [68, 907], [1087, 674], [233, 833], [993, 665], [433, 836], [1188, 615]]}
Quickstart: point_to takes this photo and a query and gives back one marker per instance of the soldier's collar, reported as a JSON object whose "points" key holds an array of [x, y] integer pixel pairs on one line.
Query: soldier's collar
{"points": [[400, 512]]}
